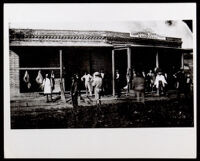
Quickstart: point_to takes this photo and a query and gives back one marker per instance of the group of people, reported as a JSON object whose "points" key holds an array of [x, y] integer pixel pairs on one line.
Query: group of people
{"points": [[155, 81], [92, 83]]}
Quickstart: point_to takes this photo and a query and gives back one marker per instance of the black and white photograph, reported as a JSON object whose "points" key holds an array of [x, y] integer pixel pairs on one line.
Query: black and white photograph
{"points": [[105, 74], [101, 77]]}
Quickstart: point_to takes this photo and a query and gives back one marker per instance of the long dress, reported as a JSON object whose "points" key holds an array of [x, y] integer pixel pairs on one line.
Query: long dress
{"points": [[47, 86]]}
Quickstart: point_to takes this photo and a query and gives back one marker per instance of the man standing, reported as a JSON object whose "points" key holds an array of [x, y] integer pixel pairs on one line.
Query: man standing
{"points": [[74, 91], [160, 83], [88, 79], [97, 83], [47, 84], [181, 82]]}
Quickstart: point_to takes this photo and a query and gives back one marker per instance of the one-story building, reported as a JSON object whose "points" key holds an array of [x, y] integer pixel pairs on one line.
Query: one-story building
{"points": [[75, 51]]}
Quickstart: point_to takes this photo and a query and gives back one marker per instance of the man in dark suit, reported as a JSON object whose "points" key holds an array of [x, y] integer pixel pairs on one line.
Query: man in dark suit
{"points": [[74, 90]]}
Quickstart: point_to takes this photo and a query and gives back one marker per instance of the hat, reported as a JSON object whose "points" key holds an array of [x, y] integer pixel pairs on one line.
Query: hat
{"points": [[97, 74]]}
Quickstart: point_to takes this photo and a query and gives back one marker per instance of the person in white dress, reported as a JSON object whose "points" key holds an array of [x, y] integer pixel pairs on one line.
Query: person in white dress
{"points": [[47, 85], [88, 80]]}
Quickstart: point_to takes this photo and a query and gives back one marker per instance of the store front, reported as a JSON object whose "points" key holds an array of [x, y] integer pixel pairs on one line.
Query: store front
{"points": [[67, 52]]}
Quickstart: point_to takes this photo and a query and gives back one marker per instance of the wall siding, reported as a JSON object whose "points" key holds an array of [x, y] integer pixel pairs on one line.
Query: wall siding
{"points": [[14, 73]]}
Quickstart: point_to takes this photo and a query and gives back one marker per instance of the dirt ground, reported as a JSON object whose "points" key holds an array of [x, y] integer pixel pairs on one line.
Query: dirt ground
{"points": [[31, 111]]}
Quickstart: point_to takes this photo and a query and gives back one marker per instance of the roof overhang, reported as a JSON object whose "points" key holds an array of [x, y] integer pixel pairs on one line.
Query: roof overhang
{"points": [[125, 46], [28, 37]]}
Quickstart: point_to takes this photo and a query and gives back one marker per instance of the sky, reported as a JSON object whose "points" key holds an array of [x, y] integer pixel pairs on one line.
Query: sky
{"points": [[104, 17], [176, 28]]}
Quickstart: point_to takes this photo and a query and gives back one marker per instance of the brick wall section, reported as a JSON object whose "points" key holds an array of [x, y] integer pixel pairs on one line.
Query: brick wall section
{"points": [[14, 73]]}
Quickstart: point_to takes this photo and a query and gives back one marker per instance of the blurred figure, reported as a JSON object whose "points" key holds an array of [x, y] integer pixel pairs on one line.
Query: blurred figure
{"points": [[97, 83], [167, 80], [138, 86], [181, 83], [143, 74], [103, 81], [88, 80], [133, 73], [47, 85], [128, 80], [188, 86], [53, 80], [160, 83], [79, 85], [150, 80], [74, 90]]}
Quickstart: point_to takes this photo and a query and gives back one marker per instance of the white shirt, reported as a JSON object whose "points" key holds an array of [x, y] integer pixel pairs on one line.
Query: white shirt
{"points": [[87, 78], [97, 82], [160, 78]]}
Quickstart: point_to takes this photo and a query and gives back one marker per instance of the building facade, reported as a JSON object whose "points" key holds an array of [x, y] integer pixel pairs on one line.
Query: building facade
{"points": [[68, 51]]}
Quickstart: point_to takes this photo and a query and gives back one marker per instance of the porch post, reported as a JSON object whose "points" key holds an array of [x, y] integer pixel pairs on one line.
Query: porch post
{"points": [[129, 58], [61, 65], [113, 72], [61, 80], [182, 60], [157, 60]]}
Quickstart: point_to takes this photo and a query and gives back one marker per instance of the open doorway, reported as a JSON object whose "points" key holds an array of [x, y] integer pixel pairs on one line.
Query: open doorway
{"points": [[121, 64], [143, 59]]}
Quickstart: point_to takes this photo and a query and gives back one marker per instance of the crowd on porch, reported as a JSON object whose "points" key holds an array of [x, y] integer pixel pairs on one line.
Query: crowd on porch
{"points": [[153, 82]]}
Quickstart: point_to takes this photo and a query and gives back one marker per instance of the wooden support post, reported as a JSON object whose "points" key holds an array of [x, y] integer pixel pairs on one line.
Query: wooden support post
{"points": [[113, 72], [128, 58], [157, 60], [61, 79], [61, 65], [182, 60]]}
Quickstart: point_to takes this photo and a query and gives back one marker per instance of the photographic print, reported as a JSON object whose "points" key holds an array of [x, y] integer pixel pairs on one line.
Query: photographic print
{"points": [[100, 80], [102, 75]]}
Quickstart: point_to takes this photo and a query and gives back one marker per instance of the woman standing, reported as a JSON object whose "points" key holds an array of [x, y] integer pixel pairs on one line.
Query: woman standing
{"points": [[47, 84]]}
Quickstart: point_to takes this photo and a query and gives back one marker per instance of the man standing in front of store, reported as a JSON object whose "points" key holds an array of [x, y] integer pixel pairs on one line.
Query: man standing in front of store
{"points": [[97, 83], [88, 79]]}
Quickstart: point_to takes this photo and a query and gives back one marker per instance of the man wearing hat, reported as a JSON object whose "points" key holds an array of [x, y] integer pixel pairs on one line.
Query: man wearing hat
{"points": [[97, 83]]}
